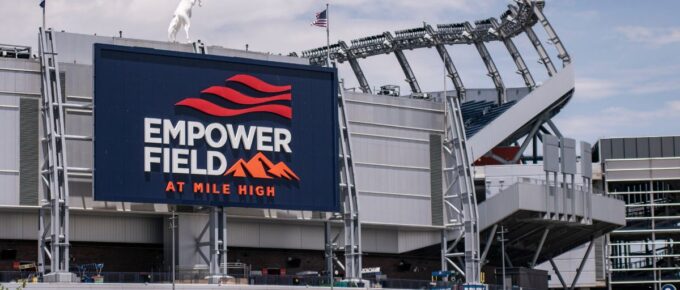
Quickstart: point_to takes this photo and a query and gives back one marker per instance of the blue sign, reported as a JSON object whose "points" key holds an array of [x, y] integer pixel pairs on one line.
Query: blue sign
{"points": [[668, 287], [183, 128]]}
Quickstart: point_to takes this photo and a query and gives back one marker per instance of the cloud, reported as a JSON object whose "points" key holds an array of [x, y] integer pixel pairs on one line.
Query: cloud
{"points": [[651, 35], [639, 81], [621, 121], [264, 25], [594, 89]]}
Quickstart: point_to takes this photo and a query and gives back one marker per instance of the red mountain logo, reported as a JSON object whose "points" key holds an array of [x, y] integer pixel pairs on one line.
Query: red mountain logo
{"points": [[276, 100], [259, 166]]}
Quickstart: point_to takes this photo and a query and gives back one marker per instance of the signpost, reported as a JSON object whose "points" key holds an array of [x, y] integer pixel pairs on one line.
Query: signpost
{"points": [[196, 129]]}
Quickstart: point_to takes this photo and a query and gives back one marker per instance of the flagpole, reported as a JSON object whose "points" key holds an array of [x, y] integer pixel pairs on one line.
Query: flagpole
{"points": [[44, 4], [328, 36]]}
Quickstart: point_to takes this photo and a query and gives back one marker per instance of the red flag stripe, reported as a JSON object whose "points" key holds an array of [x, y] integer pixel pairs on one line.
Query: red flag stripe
{"points": [[234, 96], [219, 111], [258, 84]]}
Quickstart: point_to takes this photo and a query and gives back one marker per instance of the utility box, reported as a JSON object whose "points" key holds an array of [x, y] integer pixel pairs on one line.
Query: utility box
{"points": [[523, 277]]}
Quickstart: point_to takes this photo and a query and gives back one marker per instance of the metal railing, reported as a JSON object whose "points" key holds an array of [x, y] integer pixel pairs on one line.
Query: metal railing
{"points": [[199, 277]]}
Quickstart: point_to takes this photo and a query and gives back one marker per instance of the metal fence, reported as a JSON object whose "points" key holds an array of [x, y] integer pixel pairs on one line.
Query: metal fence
{"points": [[199, 277]]}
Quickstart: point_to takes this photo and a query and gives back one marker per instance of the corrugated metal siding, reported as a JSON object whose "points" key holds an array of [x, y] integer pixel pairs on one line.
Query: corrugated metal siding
{"points": [[599, 248], [412, 240], [18, 226], [393, 179], [29, 152], [390, 209], [116, 228], [391, 139], [380, 241], [101, 227], [79, 80], [9, 146], [640, 147], [380, 150], [20, 76], [436, 188]]}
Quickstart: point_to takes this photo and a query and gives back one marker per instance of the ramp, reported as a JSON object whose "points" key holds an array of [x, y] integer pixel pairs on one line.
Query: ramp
{"points": [[515, 120]]}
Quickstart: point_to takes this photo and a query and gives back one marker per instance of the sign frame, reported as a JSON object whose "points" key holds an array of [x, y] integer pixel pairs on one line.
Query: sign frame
{"points": [[331, 191]]}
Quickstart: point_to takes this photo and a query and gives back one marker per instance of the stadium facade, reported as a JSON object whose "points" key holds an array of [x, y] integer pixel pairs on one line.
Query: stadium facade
{"points": [[400, 171]]}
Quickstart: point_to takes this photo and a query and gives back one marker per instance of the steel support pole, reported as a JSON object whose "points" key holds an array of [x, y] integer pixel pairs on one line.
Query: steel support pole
{"points": [[609, 263], [653, 222], [526, 141], [41, 241], [214, 243], [522, 68], [489, 241], [554, 129], [503, 254], [548, 192], [173, 226], [534, 145], [354, 64], [552, 35], [556, 214], [540, 247], [408, 72], [557, 272], [224, 244], [573, 197], [583, 263], [490, 66], [218, 245], [444, 245], [448, 64], [328, 250]]}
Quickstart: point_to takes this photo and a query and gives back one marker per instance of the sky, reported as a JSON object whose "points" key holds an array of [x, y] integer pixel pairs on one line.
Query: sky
{"points": [[624, 51]]}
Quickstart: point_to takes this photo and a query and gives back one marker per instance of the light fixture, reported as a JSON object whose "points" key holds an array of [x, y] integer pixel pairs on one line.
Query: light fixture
{"points": [[510, 18], [387, 43], [493, 31]]}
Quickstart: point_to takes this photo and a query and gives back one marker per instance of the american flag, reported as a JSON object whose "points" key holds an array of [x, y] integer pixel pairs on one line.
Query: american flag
{"points": [[321, 19]]}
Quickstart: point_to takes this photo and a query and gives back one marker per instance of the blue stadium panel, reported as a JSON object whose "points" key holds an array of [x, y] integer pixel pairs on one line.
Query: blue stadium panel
{"points": [[478, 114]]}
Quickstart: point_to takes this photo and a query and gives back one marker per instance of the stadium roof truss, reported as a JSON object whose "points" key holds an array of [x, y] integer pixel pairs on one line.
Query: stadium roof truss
{"points": [[461, 213]]}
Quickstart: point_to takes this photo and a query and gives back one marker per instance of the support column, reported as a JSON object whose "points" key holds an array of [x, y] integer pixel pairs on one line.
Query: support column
{"points": [[358, 72], [444, 244], [540, 248], [490, 65], [410, 77], [553, 38], [542, 54], [522, 68], [218, 245], [557, 272], [448, 63], [328, 253], [583, 262], [489, 241]]}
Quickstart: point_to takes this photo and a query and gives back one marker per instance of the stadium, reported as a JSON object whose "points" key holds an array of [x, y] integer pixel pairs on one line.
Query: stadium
{"points": [[140, 161]]}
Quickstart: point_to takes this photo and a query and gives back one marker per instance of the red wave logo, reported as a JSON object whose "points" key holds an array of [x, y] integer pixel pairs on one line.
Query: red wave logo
{"points": [[248, 104]]}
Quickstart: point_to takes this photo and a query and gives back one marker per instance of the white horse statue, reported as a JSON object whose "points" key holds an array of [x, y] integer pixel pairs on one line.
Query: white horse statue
{"points": [[182, 17]]}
